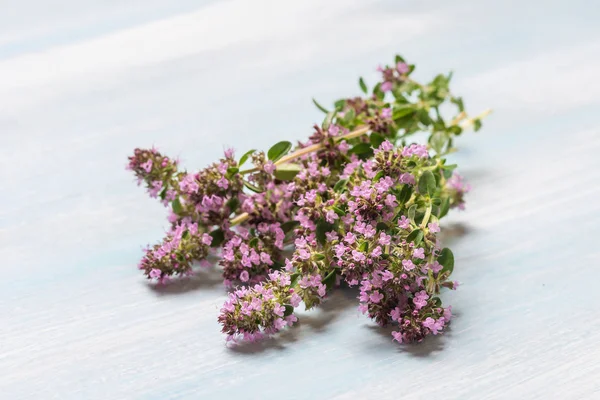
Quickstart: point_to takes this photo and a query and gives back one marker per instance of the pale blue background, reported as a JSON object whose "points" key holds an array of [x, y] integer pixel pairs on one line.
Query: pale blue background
{"points": [[82, 83]]}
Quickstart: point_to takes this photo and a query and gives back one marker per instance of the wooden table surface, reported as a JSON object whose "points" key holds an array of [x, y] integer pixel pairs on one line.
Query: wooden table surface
{"points": [[83, 83]]}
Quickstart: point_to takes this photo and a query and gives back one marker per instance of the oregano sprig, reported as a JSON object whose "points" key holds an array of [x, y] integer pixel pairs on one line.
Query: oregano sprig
{"points": [[360, 203]]}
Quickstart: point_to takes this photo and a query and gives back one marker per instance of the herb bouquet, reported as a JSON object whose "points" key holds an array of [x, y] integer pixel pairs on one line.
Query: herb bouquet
{"points": [[359, 202]]}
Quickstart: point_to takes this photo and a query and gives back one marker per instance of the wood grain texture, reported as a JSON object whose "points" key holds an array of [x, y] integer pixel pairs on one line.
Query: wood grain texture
{"points": [[83, 83]]}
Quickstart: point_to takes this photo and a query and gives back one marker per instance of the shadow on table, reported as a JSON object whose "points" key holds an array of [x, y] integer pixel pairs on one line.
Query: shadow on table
{"points": [[316, 321], [203, 279]]}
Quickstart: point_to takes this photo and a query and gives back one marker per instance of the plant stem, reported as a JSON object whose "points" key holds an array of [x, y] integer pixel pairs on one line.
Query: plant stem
{"points": [[471, 121], [315, 147]]}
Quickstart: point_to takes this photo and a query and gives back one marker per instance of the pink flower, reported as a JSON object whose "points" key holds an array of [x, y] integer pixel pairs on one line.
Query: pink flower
{"points": [[386, 113], [339, 249], [433, 227], [395, 314], [303, 254], [397, 336], [404, 222], [269, 167], [266, 258], [244, 276], [386, 86], [419, 253], [278, 309], [402, 67], [384, 239], [295, 300], [229, 152], [408, 265], [223, 183], [331, 216], [448, 313], [387, 275], [376, 297], [206, 239], [322, 290], [279, 324], [155, 273], [147, 166], [358, 256], [350, 238], [376, 252]]}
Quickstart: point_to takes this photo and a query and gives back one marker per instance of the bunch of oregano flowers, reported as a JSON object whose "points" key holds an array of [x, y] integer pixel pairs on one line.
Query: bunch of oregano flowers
{"points": [[360, 203]]}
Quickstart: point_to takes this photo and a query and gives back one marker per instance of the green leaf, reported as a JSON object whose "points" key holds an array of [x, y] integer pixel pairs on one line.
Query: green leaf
{"points": [[177, 207], [379, 175], [402, 111], [231, 171], [444, 207], [427, 183], [405, 194], [377, 91], [459, 103], [424, 117], [320, 107], [340, 104], [349, 116], [446, 258], [438, 140], [364, 247], [376, 140], [278, 265], [329, 280], [415, 236], [253, 242], [252, 187], [163, 193], [399, 59], [437, 302], [338, 211], [412, 211], [382, 226], [233, 204], [288, 226], [363, 85], [476, 124], [218, 237], [245, 157], [340, 185], [294, 279], [287, 172], [327, 121], [362, 150], [279, 150], [322, 228], [319, 257], [288, 310]]}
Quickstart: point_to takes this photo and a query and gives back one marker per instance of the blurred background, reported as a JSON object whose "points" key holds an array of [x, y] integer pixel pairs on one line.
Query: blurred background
{"points": [[83, 83]]}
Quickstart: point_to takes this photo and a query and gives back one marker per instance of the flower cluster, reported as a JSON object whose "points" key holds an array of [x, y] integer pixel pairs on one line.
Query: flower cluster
{"points": [[263, 309], [248, 256], [158, 172], [359, 201], [183, 245]]}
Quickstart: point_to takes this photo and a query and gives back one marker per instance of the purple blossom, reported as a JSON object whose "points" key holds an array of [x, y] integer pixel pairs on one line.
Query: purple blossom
{"points": [[433, 227], [386, 86], [419, 253]]}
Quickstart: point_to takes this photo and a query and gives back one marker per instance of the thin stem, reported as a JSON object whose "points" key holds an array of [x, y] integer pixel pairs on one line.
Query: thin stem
{"points": [[471, 121], [426, 217], [239, 219], [312, 148]]}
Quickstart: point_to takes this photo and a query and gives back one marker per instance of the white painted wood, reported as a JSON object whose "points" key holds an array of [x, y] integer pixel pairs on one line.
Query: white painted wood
{"points": [[83, 83]]}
